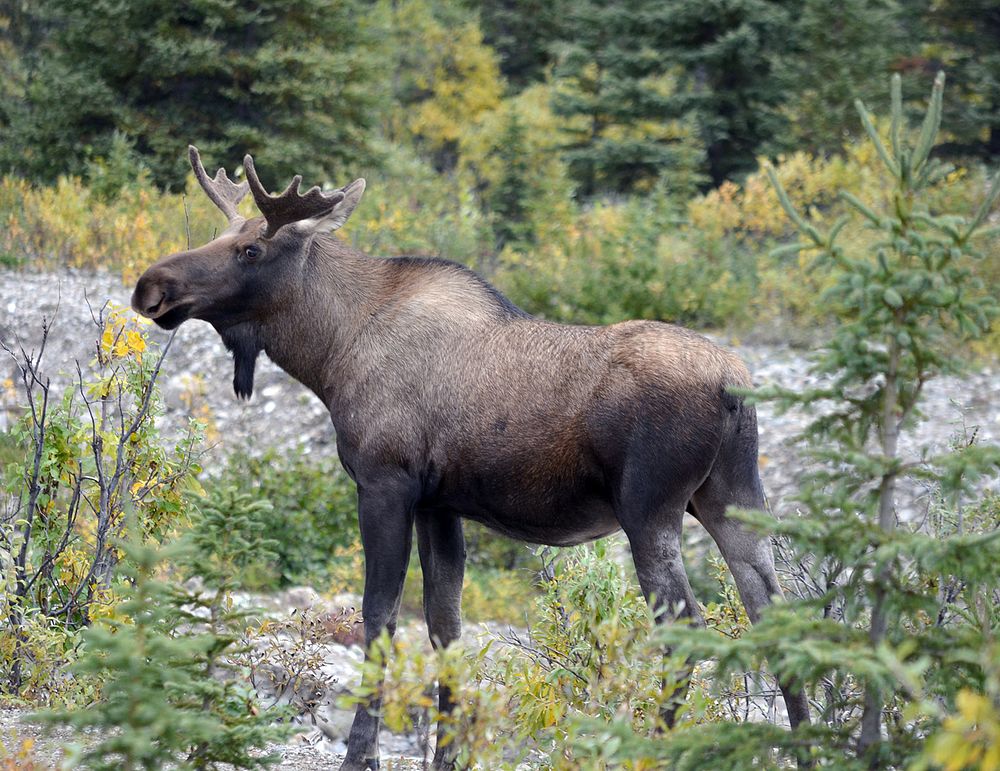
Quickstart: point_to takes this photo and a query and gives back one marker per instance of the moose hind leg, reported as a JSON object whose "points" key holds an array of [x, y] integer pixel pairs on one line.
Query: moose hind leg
{"points": [[656, 551], [386, 535], [441, 545], [749, 556]]}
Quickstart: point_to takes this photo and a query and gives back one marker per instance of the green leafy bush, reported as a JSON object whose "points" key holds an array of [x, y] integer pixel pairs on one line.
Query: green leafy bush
{"points": [[633, 260], [308, 511], [308, 515], [588, 652], [528, 696]]}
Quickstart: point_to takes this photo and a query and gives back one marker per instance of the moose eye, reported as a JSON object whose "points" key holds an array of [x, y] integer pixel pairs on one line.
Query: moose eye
{"points": [[251, 252]]}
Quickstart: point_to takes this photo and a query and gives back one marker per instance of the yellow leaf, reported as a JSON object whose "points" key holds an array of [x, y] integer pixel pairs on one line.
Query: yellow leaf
{"points": [[135, 341], [991, 760]]}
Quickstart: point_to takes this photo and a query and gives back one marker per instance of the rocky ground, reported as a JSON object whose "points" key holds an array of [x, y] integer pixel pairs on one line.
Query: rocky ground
{"points": [[46, 750], [196, 378]]}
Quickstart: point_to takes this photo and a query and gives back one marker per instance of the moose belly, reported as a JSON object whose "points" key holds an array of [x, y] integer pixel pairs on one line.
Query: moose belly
{"points": [[552, 511]]}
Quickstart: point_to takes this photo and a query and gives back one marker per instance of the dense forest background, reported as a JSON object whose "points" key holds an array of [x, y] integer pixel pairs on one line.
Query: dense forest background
{"points": [[803, 171], [619, 96]]}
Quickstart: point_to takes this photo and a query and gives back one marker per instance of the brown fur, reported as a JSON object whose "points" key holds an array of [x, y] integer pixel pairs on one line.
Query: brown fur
{"points": [[450, 403]]}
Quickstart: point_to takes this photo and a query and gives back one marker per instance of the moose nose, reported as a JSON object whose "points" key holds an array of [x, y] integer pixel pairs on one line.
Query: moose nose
{"points": [[147, 299]]}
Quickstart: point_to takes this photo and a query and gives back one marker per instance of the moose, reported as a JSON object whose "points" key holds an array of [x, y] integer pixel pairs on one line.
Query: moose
{"points": [[450, 402]]}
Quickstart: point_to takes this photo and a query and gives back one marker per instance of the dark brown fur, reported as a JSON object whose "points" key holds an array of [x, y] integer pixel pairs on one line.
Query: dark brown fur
{"points": [[449, 402]]}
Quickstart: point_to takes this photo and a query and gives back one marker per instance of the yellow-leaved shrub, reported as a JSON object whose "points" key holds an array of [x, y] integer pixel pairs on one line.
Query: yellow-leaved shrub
{"points": [[66, 225], [707, 262]]}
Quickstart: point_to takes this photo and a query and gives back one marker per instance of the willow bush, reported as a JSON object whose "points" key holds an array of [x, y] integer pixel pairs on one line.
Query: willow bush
{"points": [[85, 461], [706, 262]]}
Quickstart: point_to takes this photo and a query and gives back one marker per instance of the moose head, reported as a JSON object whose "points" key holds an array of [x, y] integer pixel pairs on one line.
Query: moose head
{"points": [[247, 273]]}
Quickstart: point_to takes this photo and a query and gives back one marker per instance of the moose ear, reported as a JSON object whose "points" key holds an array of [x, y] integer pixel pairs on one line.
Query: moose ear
{"points": [[327, 223]]}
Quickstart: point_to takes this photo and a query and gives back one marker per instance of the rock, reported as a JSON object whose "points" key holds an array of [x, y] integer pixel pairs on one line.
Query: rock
{"points": [[345, 600], [301, 597]]}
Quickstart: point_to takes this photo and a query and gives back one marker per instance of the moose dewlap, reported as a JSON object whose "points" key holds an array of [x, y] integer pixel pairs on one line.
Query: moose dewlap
{"points": [[449, 402]]}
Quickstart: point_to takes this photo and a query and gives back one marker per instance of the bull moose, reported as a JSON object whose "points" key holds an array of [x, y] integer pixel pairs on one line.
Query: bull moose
{"points": [[450, 402]]}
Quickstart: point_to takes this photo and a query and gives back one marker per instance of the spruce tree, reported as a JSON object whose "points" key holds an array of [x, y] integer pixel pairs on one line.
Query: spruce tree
{"points": [[962, 37], [295, 83], [898, 620], [837, 52], [167, 699], [725, 50], [509, 198], [523, 33], [171, 694], [615, 89]]}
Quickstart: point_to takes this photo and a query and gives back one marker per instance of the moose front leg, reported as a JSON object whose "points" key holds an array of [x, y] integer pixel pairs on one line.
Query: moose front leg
{"points": [[386, 520], [441, 545]]}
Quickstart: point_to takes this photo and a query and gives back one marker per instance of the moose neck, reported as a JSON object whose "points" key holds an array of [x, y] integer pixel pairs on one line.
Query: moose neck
{"points": [[313, 326]]}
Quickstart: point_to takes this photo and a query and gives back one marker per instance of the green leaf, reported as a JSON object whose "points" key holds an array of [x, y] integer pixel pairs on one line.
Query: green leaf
{"points": [[931, 125], [892, 298]]}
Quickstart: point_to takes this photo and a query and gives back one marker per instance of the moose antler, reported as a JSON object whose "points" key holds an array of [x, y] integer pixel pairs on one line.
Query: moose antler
{"points": [[289, 206], [223, 192]]}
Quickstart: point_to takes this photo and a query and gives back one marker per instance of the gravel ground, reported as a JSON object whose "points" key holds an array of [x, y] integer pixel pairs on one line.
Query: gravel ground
{"points": [[300, 754], [197, 374]]}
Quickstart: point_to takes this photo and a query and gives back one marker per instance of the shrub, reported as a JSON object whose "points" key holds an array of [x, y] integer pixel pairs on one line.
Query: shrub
{"points": [[630, 261], [85, 461], [707, 262], [23, 759], [229, 537], [309, 511], [529, 697], [747, 222], [126, 227], [309, 516], [409, 209], [167, 658], [69, 225], [587, 654]]}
